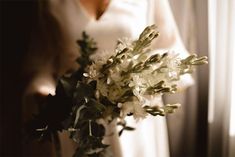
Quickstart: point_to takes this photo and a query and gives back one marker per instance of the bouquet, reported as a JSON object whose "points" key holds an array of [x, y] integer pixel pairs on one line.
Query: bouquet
{"points": [[108, 90]]}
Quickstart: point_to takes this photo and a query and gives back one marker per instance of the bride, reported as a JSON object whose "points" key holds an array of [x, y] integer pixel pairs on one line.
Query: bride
{"points": [[53, 53]]}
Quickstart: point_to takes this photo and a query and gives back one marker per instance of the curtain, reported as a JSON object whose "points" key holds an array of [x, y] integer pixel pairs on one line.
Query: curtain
{"points": [[222, 80], [188, 126]]}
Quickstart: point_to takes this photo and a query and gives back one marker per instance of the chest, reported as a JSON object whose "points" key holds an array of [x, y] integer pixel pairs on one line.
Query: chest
{"points": [[94, 8], [125, 17], [121, 18]]}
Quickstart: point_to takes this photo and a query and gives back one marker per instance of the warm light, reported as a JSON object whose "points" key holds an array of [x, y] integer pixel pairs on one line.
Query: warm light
{"points": [[47, 89], [232, 111], [232, 51], [212, 42], [232, 94]]}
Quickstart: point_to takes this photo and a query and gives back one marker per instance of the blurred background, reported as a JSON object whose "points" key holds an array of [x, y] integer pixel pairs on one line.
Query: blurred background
{"points": [[205, 124]]}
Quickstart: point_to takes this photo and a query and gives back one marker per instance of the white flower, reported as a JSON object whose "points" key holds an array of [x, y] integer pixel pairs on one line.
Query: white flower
{"points": [[172, 70], [115, 75], [133, 107], [102, 88], [123, 43], [125, 64], [114, 93], [93, 71]]}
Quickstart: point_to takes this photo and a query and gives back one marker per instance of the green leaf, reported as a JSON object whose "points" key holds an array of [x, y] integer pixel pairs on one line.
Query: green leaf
{"points": [[65, 86], [83, 91]]}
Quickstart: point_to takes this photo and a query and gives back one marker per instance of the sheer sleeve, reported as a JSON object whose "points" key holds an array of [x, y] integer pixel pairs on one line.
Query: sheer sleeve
{"points": [[38, 68], [169, 39], [51, 54]]}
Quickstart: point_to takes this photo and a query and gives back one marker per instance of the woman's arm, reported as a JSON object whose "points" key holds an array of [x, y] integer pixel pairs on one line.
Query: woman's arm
{"points": [[169, 35], [169, 38], [50, 54]]}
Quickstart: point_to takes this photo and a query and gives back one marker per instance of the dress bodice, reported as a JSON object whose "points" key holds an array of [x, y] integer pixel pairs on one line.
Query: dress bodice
{"points": [[122, 18]]}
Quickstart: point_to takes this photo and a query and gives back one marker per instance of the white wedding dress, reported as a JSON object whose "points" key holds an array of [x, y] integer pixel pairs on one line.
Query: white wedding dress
{"points": [[126, 18], [122, 18]]}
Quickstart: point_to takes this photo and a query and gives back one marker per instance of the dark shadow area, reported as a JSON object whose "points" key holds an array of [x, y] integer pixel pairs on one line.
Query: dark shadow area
{"points": [[17, 19]]}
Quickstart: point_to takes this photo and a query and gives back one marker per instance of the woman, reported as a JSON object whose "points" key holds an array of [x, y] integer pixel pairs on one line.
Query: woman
{"points": [[54, 51]]}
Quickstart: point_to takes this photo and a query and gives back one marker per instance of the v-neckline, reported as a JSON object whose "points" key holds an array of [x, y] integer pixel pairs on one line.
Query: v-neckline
{"points": [[89, 17]]}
